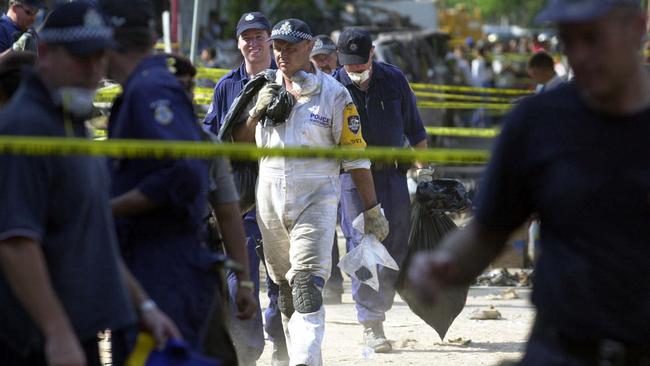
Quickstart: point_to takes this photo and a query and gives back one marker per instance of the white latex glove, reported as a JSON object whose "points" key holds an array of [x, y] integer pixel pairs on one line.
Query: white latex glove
{"points": [[423, 175], [23, 43], [264, 98], [374, 222]]}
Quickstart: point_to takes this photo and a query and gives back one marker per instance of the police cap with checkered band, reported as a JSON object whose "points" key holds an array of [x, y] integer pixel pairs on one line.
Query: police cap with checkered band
{"points": [[79, 27], [292, 31]]}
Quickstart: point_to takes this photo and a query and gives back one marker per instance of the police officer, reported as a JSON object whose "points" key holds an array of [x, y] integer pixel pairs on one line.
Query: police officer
{"points": [[160, 204], [16, 33], [577, 156], [252, 32], [62, 280], [297, 199], [389, 117], [324, 54]]}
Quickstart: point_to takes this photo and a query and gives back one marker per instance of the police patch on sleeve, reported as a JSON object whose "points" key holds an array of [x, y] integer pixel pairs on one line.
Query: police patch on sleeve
{"points": [[162, 112], [351, 130]]}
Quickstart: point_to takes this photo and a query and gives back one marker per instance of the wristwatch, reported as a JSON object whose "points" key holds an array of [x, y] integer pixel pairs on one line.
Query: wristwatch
{"points": [[247, 284]]}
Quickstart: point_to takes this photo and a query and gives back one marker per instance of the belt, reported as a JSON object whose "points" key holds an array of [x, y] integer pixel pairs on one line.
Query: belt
{"points": [[597, 352], [382, 167]]}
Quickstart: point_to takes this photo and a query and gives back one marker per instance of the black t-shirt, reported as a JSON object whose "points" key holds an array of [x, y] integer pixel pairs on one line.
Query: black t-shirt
{"points": [[587, 175], [62, 203]]}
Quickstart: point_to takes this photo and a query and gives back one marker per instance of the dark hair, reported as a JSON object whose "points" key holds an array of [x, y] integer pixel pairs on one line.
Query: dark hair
{"points": [[11, 71], [182, 65], [541, 60], [211, 51]]}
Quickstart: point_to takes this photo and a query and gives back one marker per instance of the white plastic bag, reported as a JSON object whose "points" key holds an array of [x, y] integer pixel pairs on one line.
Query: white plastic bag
{"points": [[361, 262]]}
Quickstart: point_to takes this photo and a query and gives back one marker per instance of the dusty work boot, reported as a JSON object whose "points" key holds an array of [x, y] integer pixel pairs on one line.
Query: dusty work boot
{"points": [[374, 338], [280, 356]]}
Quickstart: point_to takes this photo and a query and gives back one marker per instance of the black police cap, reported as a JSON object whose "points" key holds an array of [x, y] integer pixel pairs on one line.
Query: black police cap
{"points": [[252, 20], [79, 27], [323, 45], [292, 31], [354, 46]]}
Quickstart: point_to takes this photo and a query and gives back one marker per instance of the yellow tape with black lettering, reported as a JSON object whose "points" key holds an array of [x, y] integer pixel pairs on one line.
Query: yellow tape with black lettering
{"points": [[212, 74], [476, 98], [28, 145], [463, 132], [469, 89], [462, 105]]}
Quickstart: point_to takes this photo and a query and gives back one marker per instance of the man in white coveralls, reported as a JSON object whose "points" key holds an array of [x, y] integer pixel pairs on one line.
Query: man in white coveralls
{"points": [[297, 198]]}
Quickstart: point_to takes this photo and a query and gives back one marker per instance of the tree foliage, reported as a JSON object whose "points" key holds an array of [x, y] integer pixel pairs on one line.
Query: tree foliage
{"points": [[515, 11]]}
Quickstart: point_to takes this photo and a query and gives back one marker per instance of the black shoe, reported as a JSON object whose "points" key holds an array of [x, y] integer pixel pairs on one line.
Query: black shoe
{"points": [[374, 338]]}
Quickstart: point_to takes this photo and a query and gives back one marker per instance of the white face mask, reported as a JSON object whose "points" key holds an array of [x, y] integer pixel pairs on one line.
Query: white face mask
{"points": [[304, 83], [359, 77], [77, 101]]}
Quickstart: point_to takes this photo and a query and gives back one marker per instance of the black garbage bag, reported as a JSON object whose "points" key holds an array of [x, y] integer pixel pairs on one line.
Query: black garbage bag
{"points": [[429, 224]]}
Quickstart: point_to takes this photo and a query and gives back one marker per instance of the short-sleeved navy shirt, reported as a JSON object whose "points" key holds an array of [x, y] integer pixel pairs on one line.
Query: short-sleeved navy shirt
{"points": [[587, 175], [225, 92], [388, 109], [62, 203], [153, 105], [8, 32]]}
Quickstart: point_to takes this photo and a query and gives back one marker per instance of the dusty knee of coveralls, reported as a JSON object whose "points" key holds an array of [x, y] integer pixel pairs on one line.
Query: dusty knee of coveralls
{"points": [[307, 291], [304, 295]]}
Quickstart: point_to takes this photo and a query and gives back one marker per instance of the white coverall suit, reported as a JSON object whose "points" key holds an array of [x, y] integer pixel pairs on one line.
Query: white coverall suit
{"points": [[297, 202]]}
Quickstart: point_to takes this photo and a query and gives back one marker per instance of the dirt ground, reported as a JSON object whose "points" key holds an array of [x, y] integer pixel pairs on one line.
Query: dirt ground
{"points": [[415, 343]]}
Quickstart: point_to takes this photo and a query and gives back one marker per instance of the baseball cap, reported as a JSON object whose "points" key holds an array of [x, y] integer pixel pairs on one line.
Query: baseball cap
{"points": [[132, 21], [79, 27], [252, 20], [354, 46], [33, 3], [565, 11], [323, 45], [292, 31]]}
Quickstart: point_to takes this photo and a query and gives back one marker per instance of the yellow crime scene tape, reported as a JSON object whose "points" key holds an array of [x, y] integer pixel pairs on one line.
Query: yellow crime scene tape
{"points": [[477, 98], [462, 105], [463, 132], [137, 149], [470, 89], [108, 95]]}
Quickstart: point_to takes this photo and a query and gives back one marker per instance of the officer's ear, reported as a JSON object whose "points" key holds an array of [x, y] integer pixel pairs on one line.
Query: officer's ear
{"points": [[371, 56]]}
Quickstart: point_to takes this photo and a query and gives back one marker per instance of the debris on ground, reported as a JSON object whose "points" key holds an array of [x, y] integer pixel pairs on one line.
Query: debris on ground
{"points": [[459, 341], [509, 294], [490, 313], [503, 277]]}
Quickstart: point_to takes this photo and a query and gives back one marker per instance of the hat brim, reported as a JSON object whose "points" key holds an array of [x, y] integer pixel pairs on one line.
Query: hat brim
{"points": [[89, 47], [259, 26], [348, 59], [572, 13], [286, 37], [322, 51]]}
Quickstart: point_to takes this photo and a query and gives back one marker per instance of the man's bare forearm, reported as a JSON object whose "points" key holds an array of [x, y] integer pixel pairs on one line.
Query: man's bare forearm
{"points": [[246, 132], [234, 238], [24, 267], [362, 179], [130, 203], [471, 250]]}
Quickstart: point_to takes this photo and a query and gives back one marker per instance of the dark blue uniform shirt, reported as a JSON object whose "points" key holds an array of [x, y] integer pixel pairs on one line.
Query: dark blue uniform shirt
{"points": [[225, 92], [62, 202], [388, 109], [154, 106], [587, 175], [9, 32]]}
